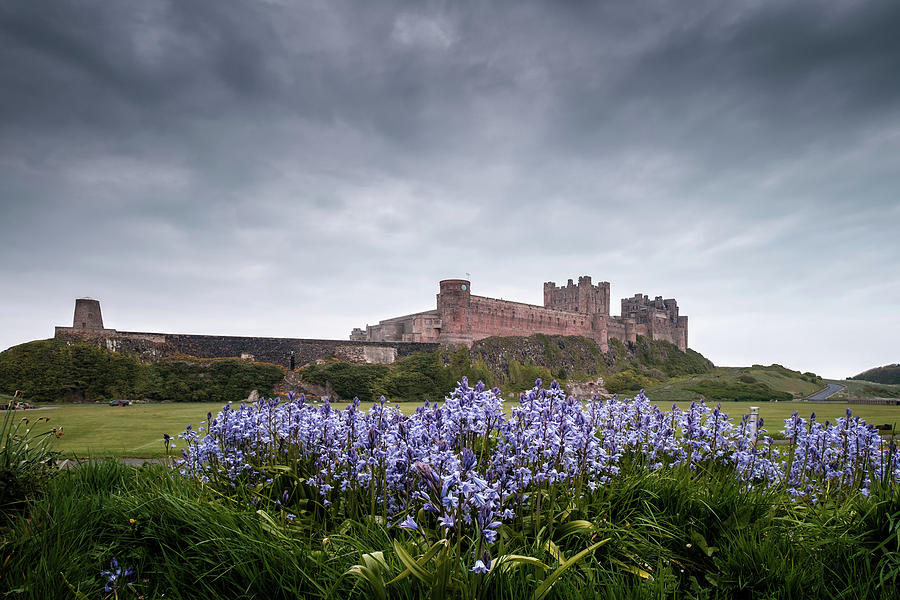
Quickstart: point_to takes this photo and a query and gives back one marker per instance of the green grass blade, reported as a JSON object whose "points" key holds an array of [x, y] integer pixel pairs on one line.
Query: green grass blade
{"points": [[544, 588]]}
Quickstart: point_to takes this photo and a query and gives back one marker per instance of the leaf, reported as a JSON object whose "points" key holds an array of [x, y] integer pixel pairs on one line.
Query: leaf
{"points": [[555, 552], [79, 595], [510, 561], [634, 570], [576, 526], [511, 534], [371, 571], [545, 586], [414, 567], [698, 539], [423, 560], [269, 525], [565, 514]]}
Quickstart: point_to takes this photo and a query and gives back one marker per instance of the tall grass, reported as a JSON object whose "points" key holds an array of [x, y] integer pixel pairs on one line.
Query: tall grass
{"points": [[26, 458], [680, 533]]}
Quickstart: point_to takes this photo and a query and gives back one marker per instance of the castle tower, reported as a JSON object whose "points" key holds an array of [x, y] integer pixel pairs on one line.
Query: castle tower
{"points": [[453, 305], [87, 314], [584, 298]]}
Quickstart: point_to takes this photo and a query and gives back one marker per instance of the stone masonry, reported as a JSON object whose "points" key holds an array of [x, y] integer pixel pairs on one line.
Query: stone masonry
{"points": [[88, 327], [574, 309]]}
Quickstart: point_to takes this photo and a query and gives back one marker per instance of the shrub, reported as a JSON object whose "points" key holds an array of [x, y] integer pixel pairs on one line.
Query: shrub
{"points": [[346, 379], [26, 459], [50, 370], [738, 391], [627, 381]]}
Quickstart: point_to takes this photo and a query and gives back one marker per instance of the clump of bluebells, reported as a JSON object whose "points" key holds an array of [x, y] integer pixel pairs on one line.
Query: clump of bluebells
{"points": [[467, 467], [116, 577]]}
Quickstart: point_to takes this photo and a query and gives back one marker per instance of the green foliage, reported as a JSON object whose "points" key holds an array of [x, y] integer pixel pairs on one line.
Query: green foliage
{"points": [[889, 374], [812, 377], [879, 391], [461, 365], [346, 379], [418, 377], [217, 381], [669, 359], [26, 458], [739, 391], [522, 376], [685, 533], [50, 370], [627, 381]]}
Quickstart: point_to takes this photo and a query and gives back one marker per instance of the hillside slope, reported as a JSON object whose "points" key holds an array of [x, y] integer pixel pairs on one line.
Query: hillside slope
{"points": [[750, 384], [518, 361], [889, 374]]}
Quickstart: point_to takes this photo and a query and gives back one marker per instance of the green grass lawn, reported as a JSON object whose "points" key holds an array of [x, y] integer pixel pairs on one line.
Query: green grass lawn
{"points": [[128, 431], [102, 430], [136, 431]]}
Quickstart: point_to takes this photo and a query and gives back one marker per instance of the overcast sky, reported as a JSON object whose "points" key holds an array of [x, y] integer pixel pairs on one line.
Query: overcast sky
{"points": [[300, 168]]}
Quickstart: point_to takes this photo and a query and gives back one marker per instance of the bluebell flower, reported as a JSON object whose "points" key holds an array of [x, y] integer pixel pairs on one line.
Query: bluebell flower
{"points": [[480, 567], [115, 576]]}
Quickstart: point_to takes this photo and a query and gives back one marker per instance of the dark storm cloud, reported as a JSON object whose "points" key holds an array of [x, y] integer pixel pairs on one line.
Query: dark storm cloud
{"points": [[240, 154]]}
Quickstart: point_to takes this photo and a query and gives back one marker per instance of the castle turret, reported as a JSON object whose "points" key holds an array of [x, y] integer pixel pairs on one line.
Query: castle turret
{"points": [[630, 331], [453, 306], [87, 314]]}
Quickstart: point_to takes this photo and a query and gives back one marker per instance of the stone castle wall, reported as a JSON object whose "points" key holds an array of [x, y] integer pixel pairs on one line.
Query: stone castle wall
{"points": [[488, 317], [156, 346]]}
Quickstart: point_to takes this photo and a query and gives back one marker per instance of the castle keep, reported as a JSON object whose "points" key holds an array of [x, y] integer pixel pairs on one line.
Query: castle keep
{"points": [[574, 309]]}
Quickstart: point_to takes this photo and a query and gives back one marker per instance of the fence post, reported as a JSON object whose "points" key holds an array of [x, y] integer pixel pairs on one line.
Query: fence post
{"points": [[754, 420]]}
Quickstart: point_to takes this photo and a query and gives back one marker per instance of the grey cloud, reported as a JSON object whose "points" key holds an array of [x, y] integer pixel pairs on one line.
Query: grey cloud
{"points": [[340, 157]]}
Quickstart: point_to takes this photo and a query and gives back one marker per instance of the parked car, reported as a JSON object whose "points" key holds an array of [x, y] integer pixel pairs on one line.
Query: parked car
{"points": [[16, 405], [120, 402]]}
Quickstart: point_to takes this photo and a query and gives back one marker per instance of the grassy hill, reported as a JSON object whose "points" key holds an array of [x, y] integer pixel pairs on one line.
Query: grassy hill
{"points": [[889, 374], [859, 390], [751, 384]]}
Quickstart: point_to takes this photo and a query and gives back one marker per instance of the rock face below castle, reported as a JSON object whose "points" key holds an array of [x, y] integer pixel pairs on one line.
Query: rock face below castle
{"points": [[582, 309]]}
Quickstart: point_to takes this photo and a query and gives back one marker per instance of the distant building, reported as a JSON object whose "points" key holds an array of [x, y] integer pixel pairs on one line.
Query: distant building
{"points": [[582, 309]]}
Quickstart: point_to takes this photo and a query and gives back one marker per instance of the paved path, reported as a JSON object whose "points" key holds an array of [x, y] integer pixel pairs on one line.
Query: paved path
{"points": [[833, 388]]}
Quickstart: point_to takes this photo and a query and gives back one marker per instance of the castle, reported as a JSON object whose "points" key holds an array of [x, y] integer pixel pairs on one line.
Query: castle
{"points": [[582, 309], [460, 318]]}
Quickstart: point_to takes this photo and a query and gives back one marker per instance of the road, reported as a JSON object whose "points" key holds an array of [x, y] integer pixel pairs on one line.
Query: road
{"points": [[833, 388]]}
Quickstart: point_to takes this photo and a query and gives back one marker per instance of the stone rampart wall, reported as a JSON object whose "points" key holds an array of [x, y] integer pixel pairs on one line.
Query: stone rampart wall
{"points": [[154, 346], [490, 317], [616, 329]]}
